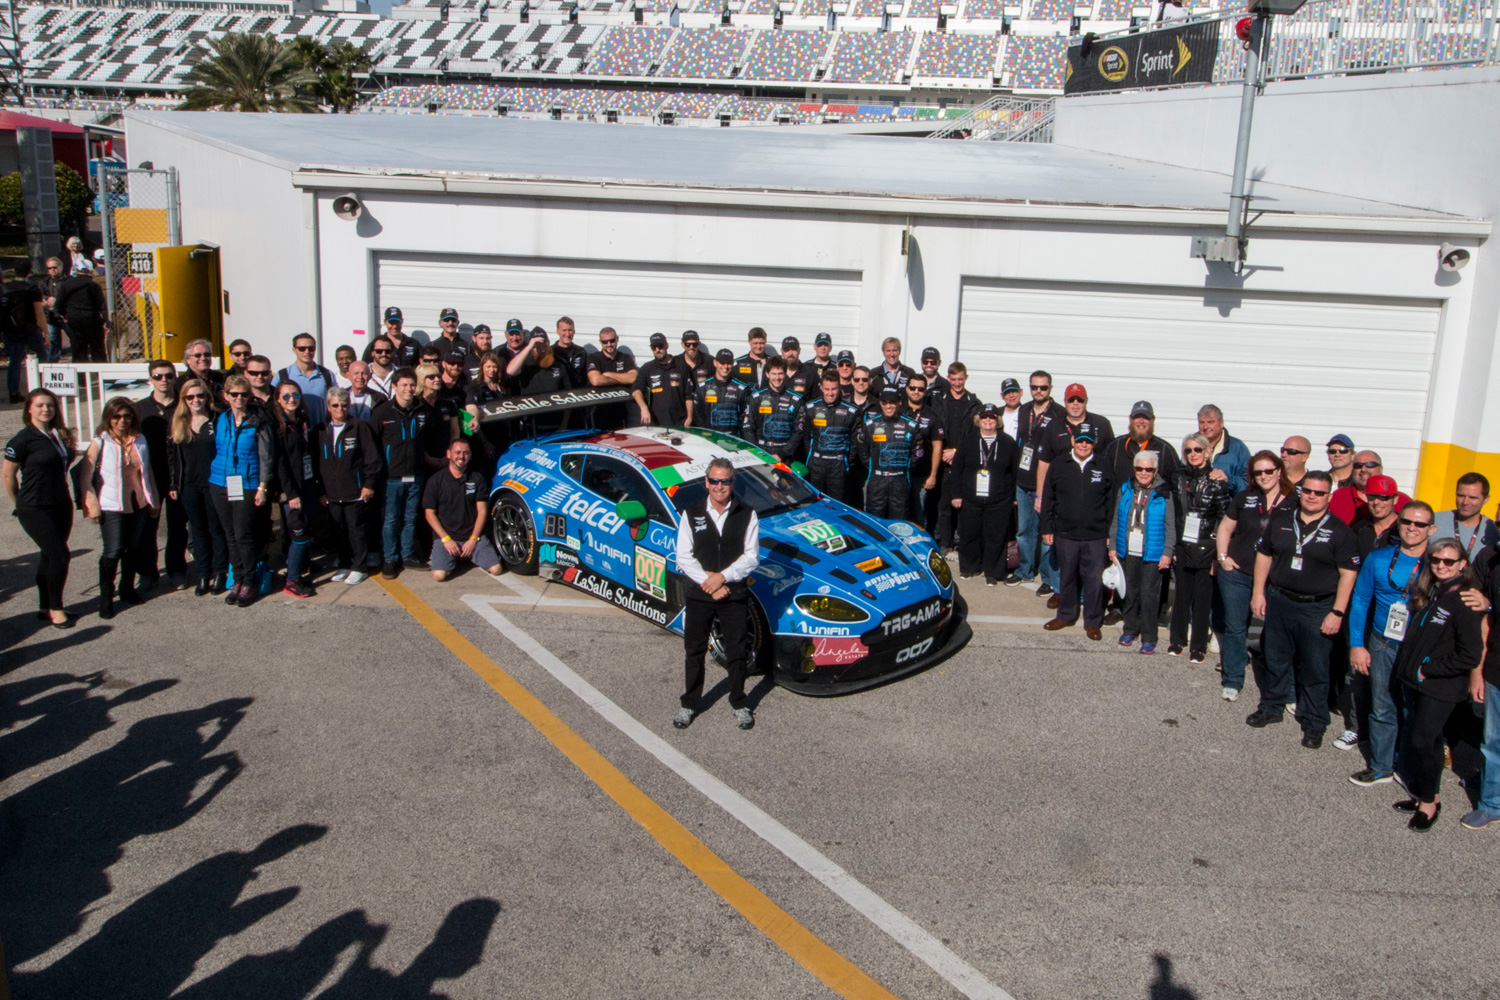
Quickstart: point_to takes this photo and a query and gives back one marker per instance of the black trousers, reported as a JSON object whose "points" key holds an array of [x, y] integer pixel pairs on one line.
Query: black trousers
{"points": [[887, 496], [1422, 763], [946, 518], [1079, 567], [177, 541], [86, 333], [1142, 596], [239, 520], [983, 533], [826, 475], [121, 535], [733, 616], [349, 538], [1296, 651], [210, 549], [1340, 688], [1193, 596], [49, 527]]}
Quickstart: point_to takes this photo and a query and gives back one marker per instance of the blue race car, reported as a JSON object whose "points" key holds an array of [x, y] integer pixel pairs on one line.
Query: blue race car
{"points": [[841, 600]]}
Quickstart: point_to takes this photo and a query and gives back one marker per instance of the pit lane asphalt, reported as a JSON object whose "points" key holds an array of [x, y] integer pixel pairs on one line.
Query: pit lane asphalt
{"points": [[318, 799]]}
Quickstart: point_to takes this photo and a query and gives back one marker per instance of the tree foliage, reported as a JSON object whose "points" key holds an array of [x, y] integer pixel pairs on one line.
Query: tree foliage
{"points": [[336, 69], [245, 72], [73, 196]]}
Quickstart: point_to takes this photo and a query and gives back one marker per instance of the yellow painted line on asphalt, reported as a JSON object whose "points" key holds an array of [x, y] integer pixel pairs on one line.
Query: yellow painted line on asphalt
{"points": [[807, 949]]}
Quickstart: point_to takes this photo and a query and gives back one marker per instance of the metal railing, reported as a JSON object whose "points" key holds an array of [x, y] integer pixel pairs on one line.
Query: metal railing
{"points": [[1003, 118], [1345, 37]]}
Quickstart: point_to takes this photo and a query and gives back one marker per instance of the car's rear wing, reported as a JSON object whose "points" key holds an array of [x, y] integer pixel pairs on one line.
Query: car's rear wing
{"points": [[512, 407]]}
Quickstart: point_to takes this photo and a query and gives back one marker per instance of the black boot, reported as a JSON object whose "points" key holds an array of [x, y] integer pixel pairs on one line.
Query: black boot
{"points": [[107, 569], [221, 583], [127, 591], [204, 586]]}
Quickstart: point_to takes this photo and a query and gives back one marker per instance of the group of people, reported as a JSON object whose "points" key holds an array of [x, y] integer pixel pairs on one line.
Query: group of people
{"points": [[36, 311], [1372, 602]]}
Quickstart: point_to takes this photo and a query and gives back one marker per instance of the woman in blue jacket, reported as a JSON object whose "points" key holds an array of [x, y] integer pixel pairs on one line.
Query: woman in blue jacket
{"points": [[1141, 543], [239, 482]]}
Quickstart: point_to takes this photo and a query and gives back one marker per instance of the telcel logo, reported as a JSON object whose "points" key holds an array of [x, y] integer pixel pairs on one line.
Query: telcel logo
{"points": [[597, 514], [912, 652]]}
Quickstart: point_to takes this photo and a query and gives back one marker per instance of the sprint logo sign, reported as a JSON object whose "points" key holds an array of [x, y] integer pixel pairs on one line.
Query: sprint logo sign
{"points": [[651, 574]]}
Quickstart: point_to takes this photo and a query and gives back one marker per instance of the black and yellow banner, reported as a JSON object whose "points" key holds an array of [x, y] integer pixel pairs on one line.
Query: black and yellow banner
{"points": [[1164, 57]]}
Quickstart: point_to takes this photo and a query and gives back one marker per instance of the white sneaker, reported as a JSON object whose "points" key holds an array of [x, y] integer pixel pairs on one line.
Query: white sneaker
{"points": [[339, 575], [1230, 694], [356, 576], [1347, 740], [1213, 642], [1291, 709]]}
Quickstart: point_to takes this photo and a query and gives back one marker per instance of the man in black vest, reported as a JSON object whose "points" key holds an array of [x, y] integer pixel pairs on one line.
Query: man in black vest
{"points": [[718, 547]]}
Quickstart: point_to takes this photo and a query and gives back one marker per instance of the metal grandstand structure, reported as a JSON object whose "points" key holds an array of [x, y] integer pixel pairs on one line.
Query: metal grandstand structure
{"points": [[1004, 118], [12, 66]]}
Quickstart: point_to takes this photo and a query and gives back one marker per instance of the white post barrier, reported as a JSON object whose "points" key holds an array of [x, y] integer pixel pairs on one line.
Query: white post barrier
{"points": [[83, 388]]}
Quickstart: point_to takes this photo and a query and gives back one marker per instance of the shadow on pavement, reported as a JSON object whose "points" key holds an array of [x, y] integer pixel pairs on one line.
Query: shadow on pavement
{"points": [[63, 720], [18, 628], [1163, 988], [60, 835]]}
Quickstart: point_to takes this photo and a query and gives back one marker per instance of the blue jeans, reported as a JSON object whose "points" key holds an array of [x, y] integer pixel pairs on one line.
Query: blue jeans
{"points": [[1234, 596], [54, 339], [1028, 526], [1383, 723], [1489, 786], [19, 347], [403, 505]]}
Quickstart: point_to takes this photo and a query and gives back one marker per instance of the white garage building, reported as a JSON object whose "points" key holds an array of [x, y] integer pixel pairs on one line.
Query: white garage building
{"points": [[1021, 257]]}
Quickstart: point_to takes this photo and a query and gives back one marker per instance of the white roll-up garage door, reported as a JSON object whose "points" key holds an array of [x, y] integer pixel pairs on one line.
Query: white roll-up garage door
{"points": [[722, 304], [1277, 365]]}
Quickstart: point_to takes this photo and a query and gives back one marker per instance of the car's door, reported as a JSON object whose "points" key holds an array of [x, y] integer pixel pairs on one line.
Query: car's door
{"points": [[636, 555]]}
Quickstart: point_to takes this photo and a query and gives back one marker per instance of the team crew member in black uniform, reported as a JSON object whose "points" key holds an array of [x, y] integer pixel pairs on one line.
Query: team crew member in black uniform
{"points": [[926, 453], [828, 426], [664, 388], [454, 502], [801, 378], [611, 368], [515, 343], [983, 481], [155, 414], [404, 348], [695, 359], [1305, 567], [297, 484], [1036, 421], [958, 412], [480, 344], [399, 426], [718, 546], [720, 401], [750, 369], [35, 473], [771, 415], [572, 355], [822, 359], [1439, 666], [346, 464], [937, 386], [537, 371], [1076, 515], [884, 446], [892, 372], [844, 365], [449, 339]]}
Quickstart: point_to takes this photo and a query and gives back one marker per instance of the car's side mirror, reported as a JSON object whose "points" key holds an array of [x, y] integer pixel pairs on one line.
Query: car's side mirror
{"points": [[799, 469], [630, 510]]}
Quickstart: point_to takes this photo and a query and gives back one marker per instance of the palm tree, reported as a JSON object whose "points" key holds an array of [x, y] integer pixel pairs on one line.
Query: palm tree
{"points": [[340, 88], [244, 72]]}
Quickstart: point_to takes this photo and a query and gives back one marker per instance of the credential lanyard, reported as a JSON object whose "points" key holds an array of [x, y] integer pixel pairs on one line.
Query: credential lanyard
{"points": [[1302, 539]]}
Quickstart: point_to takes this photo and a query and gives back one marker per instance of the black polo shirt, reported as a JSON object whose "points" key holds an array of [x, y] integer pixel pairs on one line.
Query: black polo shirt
{"points": [[1306, 557], [453, 498], [666, 386], [44, 469], [1249, 514]]}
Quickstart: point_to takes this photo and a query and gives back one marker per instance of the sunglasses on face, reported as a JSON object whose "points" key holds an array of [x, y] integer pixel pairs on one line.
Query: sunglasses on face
{"points": [[916, 388], [606, 343], [858, 379], [332, 406], [1040, 388], [1308, 491], [1265, 472], [1077, 399], [161, 376], [1193, 451], [1367, 465], [720, 482], [305, 347], [846, 364], [1293, 451], [239, 354], [236, 394], [1338, 451], [1387, 497], [1407, 522], [200, 354], [292, 397], [120, 416], [1446, 561], [381, 350], [195, 396], [257, 374]]}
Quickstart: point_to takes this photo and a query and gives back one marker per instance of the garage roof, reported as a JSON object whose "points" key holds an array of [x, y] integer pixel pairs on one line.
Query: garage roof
{"points": [[761, 160]]}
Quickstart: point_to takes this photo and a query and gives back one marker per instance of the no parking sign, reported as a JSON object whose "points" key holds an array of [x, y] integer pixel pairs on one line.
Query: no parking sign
{"points": [[61, 380]]}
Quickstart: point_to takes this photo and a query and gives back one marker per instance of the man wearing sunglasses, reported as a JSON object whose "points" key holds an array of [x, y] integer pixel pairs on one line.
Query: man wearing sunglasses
{"points": [[155, 416], [719, 403], [239, 355], [1305, 566], [1037, 419], [844, 365], [258, 374], [197, 362], [610, 368], [718, 546], [312, 378], [382, 364], [1348, 502], [403, 348], [1340, 459], [1056, 445], [926, 454], [1294, 452]]}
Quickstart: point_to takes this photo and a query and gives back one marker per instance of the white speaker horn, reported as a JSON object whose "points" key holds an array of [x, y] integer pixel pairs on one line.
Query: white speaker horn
{"points": [[1452, 258], [347, 206]]}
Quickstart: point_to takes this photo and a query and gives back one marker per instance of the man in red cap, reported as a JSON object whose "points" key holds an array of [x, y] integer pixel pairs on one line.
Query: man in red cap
{"points": [[1057, 444], [1376, 528], [1348, 503]]}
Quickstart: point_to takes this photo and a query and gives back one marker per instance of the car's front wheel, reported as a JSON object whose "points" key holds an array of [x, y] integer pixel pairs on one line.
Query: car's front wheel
{"points": [[757, 639], [515, 534]]}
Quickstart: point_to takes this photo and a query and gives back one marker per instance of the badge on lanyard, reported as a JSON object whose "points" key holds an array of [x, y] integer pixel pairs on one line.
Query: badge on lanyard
{"points": [[1026, 458], [982, 483], [307, 466], [235, 485], [1395, 621], [1192, 527], [1136, 542], [1297, 563]]}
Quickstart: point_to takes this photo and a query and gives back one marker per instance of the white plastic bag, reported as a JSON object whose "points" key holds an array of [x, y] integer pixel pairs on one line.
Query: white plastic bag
{"points": [[1114, 578]]}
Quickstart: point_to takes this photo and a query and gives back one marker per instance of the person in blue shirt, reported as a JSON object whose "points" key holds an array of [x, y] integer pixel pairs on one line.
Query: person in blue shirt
{"points": [[1375, 636], [1227, 453], [312, 378]]}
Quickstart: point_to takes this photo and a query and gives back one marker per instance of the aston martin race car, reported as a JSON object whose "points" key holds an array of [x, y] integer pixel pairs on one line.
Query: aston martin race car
{"points": [[841, 600]]}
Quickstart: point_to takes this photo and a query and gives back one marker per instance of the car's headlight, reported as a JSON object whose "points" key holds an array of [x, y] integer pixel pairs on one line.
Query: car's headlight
{"points": [[939, 567], [829, 609]]}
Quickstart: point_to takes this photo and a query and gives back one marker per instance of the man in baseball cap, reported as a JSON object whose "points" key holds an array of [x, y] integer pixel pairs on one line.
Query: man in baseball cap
{"points": [[937, 386], [1341, 459], [800, 378], [884, 446], [694, 358], [449, 339], [1120, 454], [822, 353], [404, 348], [663, 388], [1057, 445], [1076, 516], [1010, 420]]}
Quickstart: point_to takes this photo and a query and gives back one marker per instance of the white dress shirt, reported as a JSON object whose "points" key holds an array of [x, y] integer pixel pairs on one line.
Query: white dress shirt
{"points": [[735, 571]]}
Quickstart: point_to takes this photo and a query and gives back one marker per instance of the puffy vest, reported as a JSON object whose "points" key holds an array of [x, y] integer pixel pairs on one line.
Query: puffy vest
{"points": [[238, 452], [1156, 523]]}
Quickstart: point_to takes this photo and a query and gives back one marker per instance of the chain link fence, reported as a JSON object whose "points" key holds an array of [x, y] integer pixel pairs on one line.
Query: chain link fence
{"points": [[139, 213]]}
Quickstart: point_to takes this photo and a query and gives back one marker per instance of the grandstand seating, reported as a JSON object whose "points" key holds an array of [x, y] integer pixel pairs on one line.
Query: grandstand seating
{"points": [[870, 56], [1036, 61], [957, 56], [867, 8], [689, 104], [785, 55], [1114, 10], [983, 10], [705, 53], [1051, 10], [627, 51]]}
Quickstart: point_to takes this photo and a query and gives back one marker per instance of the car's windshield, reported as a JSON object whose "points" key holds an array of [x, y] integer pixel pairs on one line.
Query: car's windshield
{"points": [[764, 488]]}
